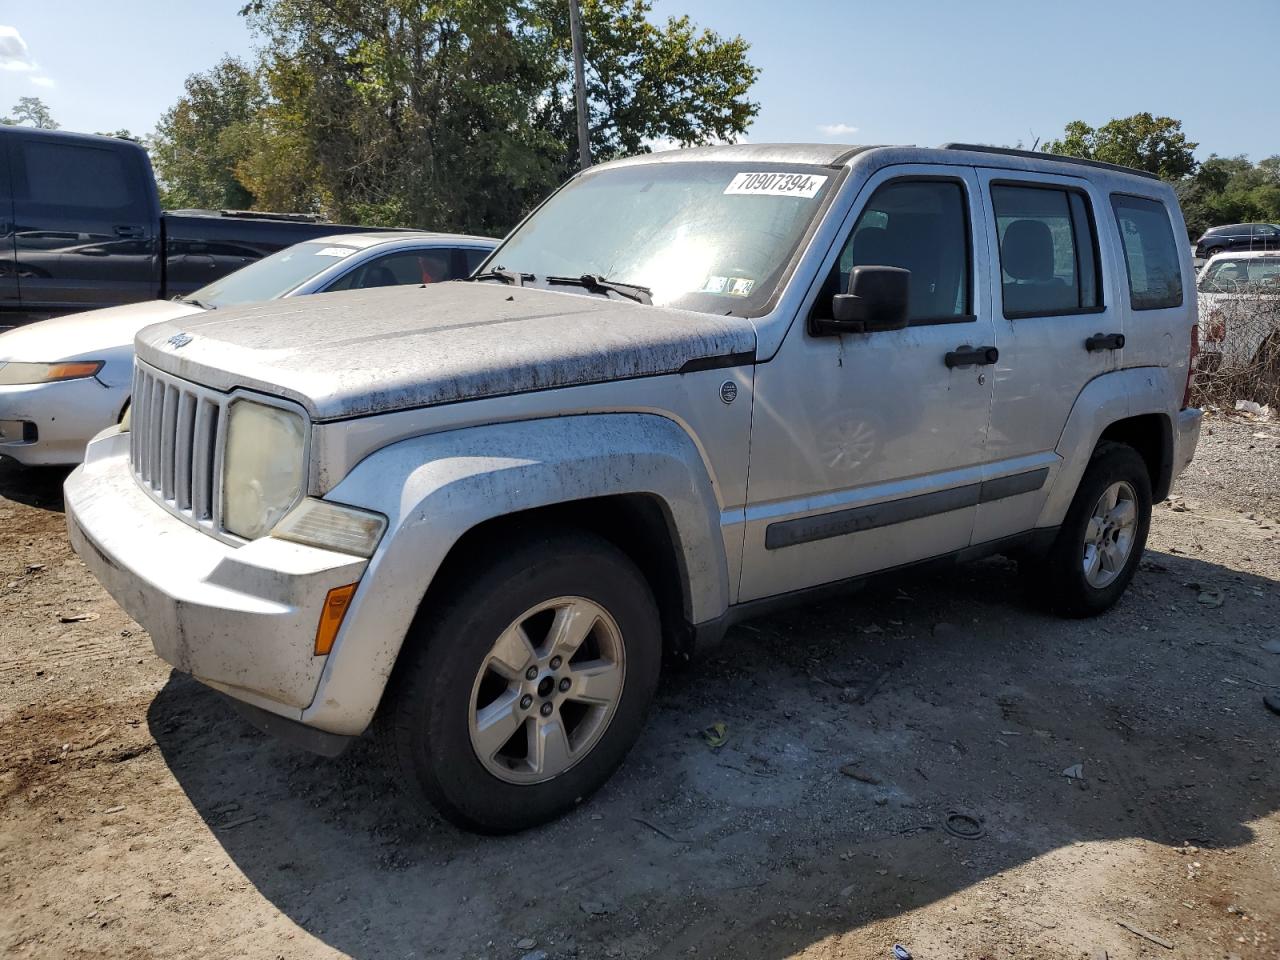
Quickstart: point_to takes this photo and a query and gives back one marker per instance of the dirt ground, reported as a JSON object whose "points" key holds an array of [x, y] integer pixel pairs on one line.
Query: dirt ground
{"points": [[139, 817]]}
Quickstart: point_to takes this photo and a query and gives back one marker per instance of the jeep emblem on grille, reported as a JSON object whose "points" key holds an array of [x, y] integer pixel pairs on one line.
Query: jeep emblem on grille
{"points": [[179, 340]]}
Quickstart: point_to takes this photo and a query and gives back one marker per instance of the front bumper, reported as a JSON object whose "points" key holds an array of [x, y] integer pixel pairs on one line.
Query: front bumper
{"points": [[45, 424], [241, 619], [1186, 436]]}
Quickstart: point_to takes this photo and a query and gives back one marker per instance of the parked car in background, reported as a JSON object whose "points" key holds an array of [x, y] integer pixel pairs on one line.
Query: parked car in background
{"points": [[1236, 237], [81, 227], [1239, 298], [62, 380], [690, 387]]}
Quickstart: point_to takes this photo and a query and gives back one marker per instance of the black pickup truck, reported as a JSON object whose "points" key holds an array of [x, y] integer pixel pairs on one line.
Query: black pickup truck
{"points": [[81, 227]]}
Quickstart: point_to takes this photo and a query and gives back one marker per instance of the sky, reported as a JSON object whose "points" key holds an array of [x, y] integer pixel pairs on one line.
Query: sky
{"points": [[846, 71]]}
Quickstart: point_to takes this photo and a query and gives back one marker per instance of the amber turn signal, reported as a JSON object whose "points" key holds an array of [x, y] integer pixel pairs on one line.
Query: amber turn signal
{"points": [[335, 608]]}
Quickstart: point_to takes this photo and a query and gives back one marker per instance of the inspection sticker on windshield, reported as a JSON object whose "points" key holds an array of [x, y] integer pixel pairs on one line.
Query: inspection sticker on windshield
{"points": [[804, 185]]}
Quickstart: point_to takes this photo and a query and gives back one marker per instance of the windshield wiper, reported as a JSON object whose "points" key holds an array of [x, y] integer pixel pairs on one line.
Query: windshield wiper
{"points": [[513, 277], [196, 303], [598, 284]]}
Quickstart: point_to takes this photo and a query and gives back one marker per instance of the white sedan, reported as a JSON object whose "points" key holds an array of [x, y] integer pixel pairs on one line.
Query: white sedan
{"points": [[64, 380], [1239, 302]]}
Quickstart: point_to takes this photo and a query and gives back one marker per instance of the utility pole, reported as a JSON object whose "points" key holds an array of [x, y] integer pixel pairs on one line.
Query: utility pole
{"points": [[579, 86]]}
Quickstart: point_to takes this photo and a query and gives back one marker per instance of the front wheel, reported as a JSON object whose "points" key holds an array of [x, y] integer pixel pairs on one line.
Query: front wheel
{"points": [[1100, 543], [526, 689]]}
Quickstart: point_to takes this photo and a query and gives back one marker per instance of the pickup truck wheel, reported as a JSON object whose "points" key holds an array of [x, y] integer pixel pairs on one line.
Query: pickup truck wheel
{"points": [[526, 691], [1101, 541]]}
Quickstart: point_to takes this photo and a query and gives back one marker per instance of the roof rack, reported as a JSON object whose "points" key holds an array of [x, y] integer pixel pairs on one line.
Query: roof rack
{"points": [[1036, 155]]}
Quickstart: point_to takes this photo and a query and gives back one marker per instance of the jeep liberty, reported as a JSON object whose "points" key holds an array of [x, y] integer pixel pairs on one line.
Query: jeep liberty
{"points": [[689, 387]]}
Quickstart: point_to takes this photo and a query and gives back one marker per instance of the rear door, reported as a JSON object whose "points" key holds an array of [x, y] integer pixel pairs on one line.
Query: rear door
{"points": [[85, 231], [8, 267], [1055, 327]]}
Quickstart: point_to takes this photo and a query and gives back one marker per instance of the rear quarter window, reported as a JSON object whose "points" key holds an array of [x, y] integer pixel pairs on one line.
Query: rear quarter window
{"points": [[1150, 252]]}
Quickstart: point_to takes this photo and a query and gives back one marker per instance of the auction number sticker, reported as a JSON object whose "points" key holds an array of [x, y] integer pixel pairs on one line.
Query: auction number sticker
{"points": [[804, 185]]}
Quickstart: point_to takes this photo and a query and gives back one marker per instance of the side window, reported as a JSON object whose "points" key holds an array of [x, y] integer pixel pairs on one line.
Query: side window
{"points": [[472, 258], [397, 269], [1048, 251], [67, 175], [921, 226], [1150, 253]]}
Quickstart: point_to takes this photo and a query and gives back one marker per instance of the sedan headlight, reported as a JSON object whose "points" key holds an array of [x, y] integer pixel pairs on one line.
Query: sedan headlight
{"points": [[263, 467], [12, 374]]}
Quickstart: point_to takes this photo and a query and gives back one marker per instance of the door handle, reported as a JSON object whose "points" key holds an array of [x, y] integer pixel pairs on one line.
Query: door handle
{"points": [[967, 356], [128, 231], [1105, 341]]}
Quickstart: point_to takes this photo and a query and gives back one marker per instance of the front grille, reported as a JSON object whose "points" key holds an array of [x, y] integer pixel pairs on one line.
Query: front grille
{"points": [[174, 443]]}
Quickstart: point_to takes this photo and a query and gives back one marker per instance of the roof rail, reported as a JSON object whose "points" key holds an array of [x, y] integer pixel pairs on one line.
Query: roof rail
{"points": [[1036, 155]]}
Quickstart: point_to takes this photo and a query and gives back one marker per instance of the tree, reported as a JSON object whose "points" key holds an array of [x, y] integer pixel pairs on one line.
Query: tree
{"points": [[1231, 190], [458, 114], [1154, 144], [31, 111], [201, 140]]}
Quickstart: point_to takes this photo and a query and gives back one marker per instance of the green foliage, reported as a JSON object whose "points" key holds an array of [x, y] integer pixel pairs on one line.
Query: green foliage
{"points": [[31, 111], [449, 114], [1231, 190], [1220, 190], [201, 140], [1154, 144]]}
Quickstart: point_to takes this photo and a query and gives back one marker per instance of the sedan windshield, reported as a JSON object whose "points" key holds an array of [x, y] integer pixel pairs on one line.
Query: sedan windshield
{"points": [[714, 237], [272, 276], [1260, 274]]}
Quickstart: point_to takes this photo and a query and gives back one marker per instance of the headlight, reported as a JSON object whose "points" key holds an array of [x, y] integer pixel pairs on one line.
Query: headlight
{"points": [[332, 526], [262, 473], [12, 374]]}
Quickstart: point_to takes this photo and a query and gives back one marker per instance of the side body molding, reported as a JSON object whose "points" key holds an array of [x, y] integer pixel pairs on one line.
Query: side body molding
{"points": [[1105, 400], [435, 488]]}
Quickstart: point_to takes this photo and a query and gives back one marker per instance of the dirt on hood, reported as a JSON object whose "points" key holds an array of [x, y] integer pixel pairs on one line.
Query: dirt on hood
{"points": [[374, 351]]}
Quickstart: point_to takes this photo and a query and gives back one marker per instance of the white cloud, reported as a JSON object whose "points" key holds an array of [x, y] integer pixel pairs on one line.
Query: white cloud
{"points": [[40, 80], [837, 129], [14, 54]]}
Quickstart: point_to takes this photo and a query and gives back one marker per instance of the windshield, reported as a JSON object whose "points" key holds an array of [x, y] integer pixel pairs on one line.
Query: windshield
{"points": [[1258, 274], [715, 237], [272, 276]]}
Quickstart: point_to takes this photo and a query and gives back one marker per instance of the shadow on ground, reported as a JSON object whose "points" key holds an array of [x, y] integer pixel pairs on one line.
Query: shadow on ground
{"points": [[944, 691], [39, 487]]}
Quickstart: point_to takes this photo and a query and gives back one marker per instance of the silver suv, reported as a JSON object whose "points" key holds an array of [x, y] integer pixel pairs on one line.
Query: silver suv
{"points": [[688, 387]]}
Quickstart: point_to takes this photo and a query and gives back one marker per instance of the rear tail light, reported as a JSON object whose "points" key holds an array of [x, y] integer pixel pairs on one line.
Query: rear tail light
{"points": [[1191, 365]]}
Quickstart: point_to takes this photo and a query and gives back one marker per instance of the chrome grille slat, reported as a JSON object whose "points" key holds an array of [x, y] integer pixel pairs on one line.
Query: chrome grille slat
{"points": [[168, 440], [173, 443], [182, 451]]}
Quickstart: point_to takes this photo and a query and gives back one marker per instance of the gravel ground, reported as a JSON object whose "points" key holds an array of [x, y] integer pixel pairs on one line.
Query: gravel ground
{"points": [[1120, 770]]}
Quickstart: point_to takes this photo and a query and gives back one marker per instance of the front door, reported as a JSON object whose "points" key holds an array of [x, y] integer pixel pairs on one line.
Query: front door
{"points": [[867, 449], [85, 230]]}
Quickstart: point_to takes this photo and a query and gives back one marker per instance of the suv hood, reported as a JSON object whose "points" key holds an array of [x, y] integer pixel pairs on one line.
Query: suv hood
{"points": [[374, 351]]}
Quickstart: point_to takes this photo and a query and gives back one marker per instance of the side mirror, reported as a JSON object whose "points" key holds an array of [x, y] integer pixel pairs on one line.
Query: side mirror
{"points": [[878, 299]]}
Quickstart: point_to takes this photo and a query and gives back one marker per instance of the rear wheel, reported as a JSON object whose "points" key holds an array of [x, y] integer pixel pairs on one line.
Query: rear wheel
{"points": [[526, 689], [1100, 543]]}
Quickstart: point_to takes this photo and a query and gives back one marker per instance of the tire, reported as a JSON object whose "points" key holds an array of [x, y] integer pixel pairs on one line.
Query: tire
{"points": [[454, 679], [1060, 579]]}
